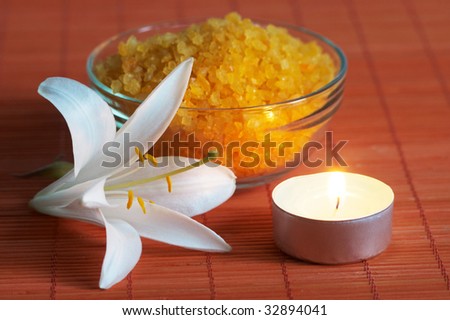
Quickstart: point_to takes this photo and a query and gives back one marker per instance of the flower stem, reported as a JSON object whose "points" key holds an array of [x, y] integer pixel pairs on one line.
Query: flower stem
{"points": [[211, 156]]}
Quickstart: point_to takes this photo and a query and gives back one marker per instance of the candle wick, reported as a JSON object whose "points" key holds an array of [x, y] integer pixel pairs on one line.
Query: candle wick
{"points": [[338, 202]]}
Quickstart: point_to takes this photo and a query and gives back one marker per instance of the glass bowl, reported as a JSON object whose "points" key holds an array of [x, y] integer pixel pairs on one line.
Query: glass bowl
{"points": [[259, 143]]}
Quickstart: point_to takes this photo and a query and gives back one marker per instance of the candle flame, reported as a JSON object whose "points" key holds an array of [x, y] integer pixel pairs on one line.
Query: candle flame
{"points": [[336, 187]]}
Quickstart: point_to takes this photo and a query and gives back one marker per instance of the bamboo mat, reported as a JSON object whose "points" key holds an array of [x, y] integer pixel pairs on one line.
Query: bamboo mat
{"points": [[395, 116]]}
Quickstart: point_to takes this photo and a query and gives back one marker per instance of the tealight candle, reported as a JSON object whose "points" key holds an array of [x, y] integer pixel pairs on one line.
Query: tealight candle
{"points": [[332, 217]]}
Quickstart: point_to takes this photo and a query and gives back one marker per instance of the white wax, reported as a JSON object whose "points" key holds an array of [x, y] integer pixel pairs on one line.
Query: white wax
{"points": [[312, 196]]}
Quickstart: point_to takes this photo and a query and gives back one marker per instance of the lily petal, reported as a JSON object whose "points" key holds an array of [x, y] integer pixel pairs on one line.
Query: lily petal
{"points": [[154, 115], [165, 225], [95, 196], [123, 250], [88, 193], [76, 211], [89, 118], [194, 192]]}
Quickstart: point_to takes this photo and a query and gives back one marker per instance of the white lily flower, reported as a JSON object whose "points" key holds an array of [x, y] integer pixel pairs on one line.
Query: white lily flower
{"points": [[99, 194]]}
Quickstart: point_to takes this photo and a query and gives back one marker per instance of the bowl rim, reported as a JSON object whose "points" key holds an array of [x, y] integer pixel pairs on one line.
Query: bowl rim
{"points": [[340, 75]]}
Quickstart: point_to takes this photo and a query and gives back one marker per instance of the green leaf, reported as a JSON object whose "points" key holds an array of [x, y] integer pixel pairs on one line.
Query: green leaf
{"points": [[53, 170]]}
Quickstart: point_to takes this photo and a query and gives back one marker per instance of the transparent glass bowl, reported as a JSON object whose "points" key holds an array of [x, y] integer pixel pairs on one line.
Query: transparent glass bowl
{"points": [[259, 143]]}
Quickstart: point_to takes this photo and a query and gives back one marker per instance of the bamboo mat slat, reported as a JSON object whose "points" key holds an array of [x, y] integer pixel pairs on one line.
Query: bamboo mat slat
{"points": [[395, 117]]}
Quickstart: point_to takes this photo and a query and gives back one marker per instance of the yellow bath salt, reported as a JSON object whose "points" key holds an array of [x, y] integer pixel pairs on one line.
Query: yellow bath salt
{"points": [[238, 64]]}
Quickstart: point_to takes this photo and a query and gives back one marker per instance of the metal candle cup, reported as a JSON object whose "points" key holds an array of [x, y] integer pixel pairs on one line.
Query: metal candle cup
{"points": [[332, 217]]}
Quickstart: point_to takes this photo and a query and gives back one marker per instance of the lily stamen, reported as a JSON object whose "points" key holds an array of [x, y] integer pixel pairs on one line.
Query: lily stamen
{"points": [[130, 199], [151, 159], [139, 200], [142, 204], [211, 156], [139, 153], [169, 184]]}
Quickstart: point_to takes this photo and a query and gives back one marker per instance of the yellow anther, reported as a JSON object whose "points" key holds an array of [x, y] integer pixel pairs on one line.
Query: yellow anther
{"points": [[142, 204], [169, 183], [151, 201], [151, 159], [139, 153], [130, 199]]}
